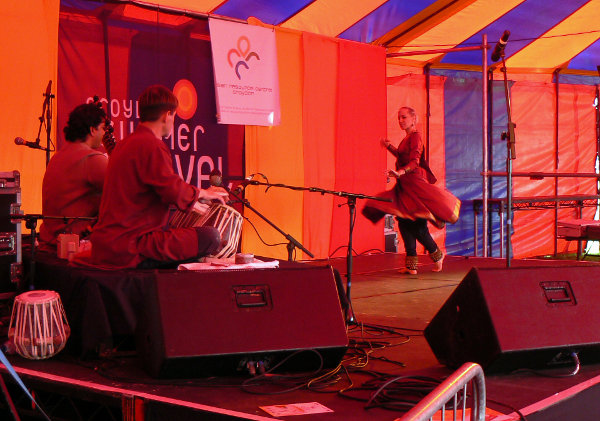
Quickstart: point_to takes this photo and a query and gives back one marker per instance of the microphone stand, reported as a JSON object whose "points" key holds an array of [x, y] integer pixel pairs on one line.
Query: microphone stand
{"points": [[509, 136], [31, 223], [351, 202], [47, 118], [597, 160], [292, 242], [48, 101]]}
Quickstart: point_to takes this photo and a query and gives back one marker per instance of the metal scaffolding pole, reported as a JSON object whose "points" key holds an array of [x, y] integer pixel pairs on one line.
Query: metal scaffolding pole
{"points": [[484, 122]]}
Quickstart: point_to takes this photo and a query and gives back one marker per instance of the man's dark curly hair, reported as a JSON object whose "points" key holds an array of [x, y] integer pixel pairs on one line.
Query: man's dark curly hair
{"points": [[81, 119]]}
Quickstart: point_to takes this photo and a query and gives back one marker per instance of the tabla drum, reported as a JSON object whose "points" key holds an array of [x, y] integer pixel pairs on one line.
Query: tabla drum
{"points": [[38, 324], [189, 218], [229, 223], [224, 218]]}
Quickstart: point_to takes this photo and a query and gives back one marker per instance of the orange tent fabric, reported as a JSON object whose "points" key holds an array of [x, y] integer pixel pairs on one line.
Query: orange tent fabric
{"points": [[361, 123], [30, 34], [319, 127], [277, 152], [333, 96]]}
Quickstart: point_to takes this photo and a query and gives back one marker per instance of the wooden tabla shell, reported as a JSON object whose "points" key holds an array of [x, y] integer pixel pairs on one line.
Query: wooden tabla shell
{"points": [[38, 324], [229, 223]]}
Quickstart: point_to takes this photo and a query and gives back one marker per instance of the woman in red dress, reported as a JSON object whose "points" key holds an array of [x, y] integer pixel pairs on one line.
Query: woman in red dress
{"points": [[415, 197]]}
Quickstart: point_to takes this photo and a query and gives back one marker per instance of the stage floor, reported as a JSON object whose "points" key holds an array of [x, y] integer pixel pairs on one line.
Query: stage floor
{"points": [[380, 296]]}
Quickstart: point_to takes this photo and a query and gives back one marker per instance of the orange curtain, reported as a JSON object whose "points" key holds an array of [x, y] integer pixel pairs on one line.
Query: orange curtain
{"points": [[361, 122], [277, 152], [333, 114], [30, 33], [319, 127]]}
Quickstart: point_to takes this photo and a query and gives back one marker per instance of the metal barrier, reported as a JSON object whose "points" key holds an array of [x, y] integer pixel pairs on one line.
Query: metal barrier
{"points": [[453, 389]]}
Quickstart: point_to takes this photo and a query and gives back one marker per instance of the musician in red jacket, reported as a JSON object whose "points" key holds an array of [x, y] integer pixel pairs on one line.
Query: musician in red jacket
{"points": [[139, 188], [73, 181]]}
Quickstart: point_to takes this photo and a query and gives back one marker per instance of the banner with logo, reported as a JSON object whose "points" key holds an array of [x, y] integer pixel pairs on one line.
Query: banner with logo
{"points": [[138, 53], [246, 76]]}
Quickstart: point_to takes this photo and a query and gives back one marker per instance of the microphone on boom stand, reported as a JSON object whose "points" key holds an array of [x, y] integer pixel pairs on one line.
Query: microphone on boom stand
{"points": [[32, 145], [500, 45]]}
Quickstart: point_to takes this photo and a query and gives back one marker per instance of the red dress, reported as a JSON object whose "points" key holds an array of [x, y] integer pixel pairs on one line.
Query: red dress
{"points": [[140, 186], [415, 196], [72, 186]]}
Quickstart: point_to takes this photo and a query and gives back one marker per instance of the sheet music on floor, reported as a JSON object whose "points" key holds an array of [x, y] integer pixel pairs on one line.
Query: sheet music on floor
{"points": [[211, 263]]}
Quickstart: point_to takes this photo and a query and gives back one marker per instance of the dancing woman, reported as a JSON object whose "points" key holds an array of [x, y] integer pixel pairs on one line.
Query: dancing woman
{"points": [[415, 197]]}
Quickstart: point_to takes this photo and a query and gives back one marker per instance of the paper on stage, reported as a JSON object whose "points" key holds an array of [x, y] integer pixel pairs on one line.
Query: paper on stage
{"points": [[228, 264], [295, 409]]}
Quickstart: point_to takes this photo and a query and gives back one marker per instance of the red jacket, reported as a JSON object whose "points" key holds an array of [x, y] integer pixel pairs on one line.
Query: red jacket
{"points": [[139, 188], [72, 186]]}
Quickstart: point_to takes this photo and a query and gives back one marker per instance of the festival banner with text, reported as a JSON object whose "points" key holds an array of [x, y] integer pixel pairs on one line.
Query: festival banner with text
{"points": [[246, 76], [139, 54]]}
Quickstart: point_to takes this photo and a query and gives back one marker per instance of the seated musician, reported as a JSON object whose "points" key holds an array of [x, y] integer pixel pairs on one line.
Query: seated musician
{"points": [[140, 186], [73, 181]]}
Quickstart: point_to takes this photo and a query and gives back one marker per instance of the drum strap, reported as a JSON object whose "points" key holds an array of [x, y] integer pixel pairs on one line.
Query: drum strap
{"points": [[13, 373]]}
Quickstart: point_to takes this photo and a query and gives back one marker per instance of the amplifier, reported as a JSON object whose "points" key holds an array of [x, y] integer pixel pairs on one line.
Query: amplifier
{"points": [[524, 317], [195, 324], [11, 259]]}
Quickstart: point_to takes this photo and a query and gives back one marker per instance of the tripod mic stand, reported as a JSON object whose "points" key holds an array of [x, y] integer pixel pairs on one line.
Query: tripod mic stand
{"points": [[351, 202], [45, 120], [511, 154], [292, 242], [48, 96]]}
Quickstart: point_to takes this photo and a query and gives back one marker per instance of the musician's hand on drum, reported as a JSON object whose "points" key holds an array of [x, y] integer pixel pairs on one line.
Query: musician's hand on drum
{"points": [[213, 194], [217, 189], [201, 208]]}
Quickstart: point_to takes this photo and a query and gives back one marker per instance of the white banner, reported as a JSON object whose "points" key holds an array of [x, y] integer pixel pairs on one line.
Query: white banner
{"points": [[246, 76]]}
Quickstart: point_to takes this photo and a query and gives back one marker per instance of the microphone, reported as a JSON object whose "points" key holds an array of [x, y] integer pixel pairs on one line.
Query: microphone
{"points": [[240, 188], [499, 49], [33, 145]]}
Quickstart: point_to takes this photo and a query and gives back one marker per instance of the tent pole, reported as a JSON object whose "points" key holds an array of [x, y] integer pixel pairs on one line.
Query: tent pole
{"points": [[556, 146], [484, 121], [490, 161], [428, 107], [597, 133]]}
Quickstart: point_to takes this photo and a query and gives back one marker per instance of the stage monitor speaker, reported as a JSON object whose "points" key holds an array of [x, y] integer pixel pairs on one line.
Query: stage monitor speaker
{"points": [[528, 317], [197, 324]]}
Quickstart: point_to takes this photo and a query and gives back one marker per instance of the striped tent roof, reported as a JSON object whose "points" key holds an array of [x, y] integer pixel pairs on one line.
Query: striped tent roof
{"points": [[545, 34]]}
